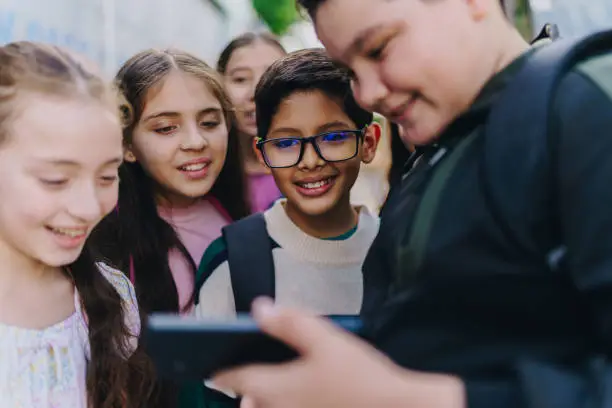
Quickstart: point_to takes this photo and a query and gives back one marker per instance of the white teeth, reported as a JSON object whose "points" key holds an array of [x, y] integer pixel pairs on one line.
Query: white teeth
{"points": [[194, 167], [316, 184], [73, 233]]}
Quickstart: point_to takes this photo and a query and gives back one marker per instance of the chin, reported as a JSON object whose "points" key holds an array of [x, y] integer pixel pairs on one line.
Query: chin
{"points": [[315, 209], [247, 130], [201, 190], [60, 258]]}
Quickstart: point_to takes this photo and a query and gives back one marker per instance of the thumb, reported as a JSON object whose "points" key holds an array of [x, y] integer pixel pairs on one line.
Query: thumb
{"points": [[299, 330], [247, 403]]}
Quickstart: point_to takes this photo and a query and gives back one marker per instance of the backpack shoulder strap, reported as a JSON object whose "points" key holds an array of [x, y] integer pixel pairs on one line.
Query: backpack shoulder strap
{"points": [[518, 127], [250, 260]]}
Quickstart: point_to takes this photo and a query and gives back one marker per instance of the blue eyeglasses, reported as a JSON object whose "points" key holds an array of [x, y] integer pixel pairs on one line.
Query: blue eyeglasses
{"points": [[336, 146]]}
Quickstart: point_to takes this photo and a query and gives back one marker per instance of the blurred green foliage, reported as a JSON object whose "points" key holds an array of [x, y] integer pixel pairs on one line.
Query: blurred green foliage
{"points": [[278, 15], [522, 19]]}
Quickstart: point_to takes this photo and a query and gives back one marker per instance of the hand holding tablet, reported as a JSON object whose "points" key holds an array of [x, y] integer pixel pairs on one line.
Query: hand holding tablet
{"points": [[188, 348]]}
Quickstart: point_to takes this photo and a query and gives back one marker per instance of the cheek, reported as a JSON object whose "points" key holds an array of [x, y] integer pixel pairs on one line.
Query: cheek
{"points": [[218, 143], [282, 178], [25, 203], [349, 170], [400, 73], [237, 94], [155, 153], [109, 198]]}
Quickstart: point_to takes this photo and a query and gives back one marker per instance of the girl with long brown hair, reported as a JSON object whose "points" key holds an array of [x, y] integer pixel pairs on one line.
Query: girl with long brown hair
{"points": [[181, 182]]}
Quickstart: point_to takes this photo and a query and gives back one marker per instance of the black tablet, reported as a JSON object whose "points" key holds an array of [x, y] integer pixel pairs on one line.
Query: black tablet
{"points": [[188, 348]]}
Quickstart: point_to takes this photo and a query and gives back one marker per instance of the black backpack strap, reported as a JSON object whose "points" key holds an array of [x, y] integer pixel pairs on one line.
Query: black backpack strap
{"points": [[518, 127], [250, 260]]}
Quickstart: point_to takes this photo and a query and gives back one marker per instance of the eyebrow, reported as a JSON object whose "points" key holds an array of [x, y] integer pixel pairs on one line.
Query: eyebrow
{"points": [[321, 129], [357, 44], [171, 114], [237, 69], [72, 163], [335, 124]]}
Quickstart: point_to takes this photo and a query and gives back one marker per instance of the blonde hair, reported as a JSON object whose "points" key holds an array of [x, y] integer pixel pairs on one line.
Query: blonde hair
{"points": [[40, 68]]}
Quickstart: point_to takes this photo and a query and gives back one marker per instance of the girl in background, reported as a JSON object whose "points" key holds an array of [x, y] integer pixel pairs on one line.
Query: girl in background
{"points": [[242, 63], [181, 182], [69, 325]]}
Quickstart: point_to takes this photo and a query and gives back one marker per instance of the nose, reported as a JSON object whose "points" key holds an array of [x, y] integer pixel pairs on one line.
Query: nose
{"points": [[193, 138], [369, 90], [310, 158], [86, 203]]}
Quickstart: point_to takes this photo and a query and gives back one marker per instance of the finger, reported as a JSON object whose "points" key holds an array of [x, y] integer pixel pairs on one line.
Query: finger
{"points": [[247, 403], [298, 329], [255, 381]]}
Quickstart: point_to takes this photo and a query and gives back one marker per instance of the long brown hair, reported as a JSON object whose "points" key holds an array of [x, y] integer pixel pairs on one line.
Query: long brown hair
{"points": [[136, 236], [112, 381]]}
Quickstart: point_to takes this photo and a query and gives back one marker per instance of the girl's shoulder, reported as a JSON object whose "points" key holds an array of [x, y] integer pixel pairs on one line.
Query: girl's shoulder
{"points": [[126, 292], [120, 282]]}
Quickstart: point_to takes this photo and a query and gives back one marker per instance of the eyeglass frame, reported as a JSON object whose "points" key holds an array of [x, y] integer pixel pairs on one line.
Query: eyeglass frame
{"points": [[310, 139]]}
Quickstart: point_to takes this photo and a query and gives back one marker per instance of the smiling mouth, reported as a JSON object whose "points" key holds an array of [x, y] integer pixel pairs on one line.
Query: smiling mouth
{"points": [[400, 112], [194, 167], [250, 115], [69, 232], [316, 184]]}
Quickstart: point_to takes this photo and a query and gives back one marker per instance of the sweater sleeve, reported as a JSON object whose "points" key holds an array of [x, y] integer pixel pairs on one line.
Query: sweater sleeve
{"points": [[583, 148], [214, 295]]}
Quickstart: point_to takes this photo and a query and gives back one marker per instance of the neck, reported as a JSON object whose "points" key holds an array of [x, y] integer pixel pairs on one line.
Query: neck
{"points": [[170, 200], [338, 220], [512, 46], [18, 268]]}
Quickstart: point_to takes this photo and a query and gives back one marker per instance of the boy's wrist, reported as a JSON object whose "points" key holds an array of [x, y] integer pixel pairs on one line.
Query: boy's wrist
{"points": [[417, 389]]}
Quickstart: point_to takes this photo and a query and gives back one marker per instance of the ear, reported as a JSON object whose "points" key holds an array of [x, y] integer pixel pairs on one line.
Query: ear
{"points": [[128, 155], [371, 138], [258, 152]]}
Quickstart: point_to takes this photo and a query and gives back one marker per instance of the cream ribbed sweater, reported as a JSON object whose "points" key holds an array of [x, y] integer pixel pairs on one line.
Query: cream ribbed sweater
{"points": [[323, 276]]}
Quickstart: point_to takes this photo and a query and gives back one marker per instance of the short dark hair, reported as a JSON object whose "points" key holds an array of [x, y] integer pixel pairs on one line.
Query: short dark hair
{"points": [[305, 70]]}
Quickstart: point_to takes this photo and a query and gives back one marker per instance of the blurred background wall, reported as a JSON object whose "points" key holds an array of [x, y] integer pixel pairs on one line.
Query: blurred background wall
{"points": [[573, 17], [109, 31]]}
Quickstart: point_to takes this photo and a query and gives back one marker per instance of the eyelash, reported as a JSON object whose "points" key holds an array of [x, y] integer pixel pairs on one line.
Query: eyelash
{"points": [[110, 179], [54, 183], [165, 130], [169, 129], [209, 124], [377, 52], [59, 183]]}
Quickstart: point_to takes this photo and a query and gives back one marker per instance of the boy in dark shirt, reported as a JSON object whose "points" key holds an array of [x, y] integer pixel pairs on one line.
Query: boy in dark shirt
{"points": [[473, 318]]}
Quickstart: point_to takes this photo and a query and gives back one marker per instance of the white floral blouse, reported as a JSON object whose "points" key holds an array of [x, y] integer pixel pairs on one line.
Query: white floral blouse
{"points": [[47, 368]]}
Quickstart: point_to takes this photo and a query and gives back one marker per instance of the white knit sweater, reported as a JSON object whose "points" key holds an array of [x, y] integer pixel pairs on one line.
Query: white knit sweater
{"points": [[323, 276]]}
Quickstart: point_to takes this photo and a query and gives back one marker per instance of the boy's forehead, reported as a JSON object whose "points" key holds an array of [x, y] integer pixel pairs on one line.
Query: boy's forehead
{"points": [[343, 25], [310, 111]]}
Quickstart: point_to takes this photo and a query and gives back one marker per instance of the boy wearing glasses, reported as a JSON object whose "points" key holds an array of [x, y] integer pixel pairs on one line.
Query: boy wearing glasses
{"points": [[307, 250]]}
